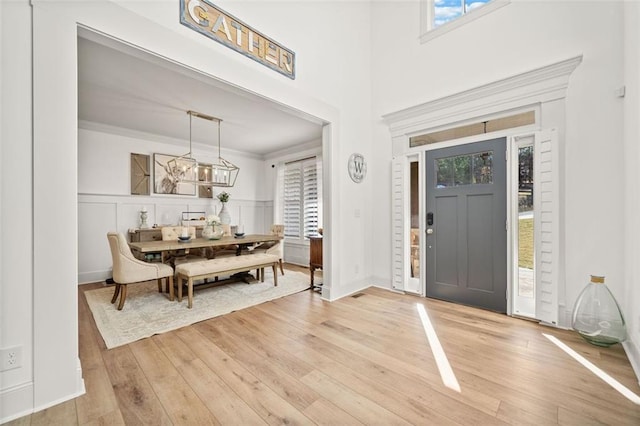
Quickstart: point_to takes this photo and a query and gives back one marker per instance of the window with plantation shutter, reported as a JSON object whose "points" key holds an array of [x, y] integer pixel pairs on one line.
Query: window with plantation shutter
{"points": [[301, 199]]}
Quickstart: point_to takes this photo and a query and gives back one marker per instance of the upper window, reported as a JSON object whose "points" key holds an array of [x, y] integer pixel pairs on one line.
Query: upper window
{"points": [[448, 10], [454, 13]]}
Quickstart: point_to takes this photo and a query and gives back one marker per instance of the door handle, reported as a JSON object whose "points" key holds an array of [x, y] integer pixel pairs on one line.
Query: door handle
{"points": [[429, 231]]}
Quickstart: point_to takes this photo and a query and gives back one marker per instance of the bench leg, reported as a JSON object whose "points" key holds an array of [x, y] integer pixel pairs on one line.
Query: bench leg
{"points": [[275, 274], [170, 284], [190, 291]]}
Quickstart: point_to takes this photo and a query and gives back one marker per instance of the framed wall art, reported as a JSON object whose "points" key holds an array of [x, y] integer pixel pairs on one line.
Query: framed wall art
{"points": [[140, 174], [167, 179]]}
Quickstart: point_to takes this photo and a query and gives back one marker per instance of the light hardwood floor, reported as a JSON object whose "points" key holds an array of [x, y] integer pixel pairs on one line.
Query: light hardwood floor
{"points": [[361, 360]]}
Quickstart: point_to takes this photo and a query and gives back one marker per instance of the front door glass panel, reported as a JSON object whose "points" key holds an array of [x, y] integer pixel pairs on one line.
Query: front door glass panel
{"points": [[468, 169]]}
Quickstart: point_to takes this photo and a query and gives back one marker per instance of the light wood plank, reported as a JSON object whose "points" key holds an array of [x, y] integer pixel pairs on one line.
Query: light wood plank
{"points": [[220, 399], [264, 401], [322, 412], [286, 386], [355, 404], [62, 414], [136, 398], [176, 396]]}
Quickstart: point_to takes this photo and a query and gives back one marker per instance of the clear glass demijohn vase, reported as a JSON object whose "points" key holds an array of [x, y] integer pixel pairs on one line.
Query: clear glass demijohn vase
{"points": [[597, 317]]}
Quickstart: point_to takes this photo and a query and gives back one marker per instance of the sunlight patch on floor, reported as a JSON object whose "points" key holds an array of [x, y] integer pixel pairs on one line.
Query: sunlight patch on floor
{"points": [[595, 370], [446, 373]]}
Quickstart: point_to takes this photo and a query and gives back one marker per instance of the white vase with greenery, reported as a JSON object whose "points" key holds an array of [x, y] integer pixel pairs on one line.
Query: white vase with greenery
{"points": [[225, 218]]}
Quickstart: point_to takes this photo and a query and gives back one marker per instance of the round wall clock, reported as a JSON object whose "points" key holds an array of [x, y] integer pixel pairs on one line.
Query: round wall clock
{"points": [[357, 167]]}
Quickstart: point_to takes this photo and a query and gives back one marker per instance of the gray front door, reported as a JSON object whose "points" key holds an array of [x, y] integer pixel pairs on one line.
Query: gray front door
{"points": [[466, 224]]}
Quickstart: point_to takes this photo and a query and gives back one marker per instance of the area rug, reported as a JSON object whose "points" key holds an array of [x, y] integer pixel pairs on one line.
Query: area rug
{"points": [[147, 312]]}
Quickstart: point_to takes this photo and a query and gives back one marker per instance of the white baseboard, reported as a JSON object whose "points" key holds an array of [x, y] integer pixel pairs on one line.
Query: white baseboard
{"points": [[94, 276], [346, 290], [16, 402]]}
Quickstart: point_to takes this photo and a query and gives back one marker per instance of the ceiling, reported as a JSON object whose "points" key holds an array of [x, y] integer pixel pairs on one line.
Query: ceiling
{"points": [[124, 87]]}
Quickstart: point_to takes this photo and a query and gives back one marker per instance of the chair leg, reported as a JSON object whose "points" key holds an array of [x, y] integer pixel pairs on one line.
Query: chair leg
{"points": [[170, 284], [116, 292], [275, 274], [179, 288], [281, 267], [123, 296], [261, 275], [159, 285]]}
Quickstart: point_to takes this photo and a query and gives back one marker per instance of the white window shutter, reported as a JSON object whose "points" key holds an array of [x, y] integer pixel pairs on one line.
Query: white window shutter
{"points": [[301, 207], [546, 225], [292, 213], [397, 223]]}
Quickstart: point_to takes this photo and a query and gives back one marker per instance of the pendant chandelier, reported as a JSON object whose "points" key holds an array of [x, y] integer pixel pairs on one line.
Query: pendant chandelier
{"points": [[223, 173]]}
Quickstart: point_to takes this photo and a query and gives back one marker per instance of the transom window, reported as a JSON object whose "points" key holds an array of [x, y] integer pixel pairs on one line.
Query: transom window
{"points": [[448, 10], [437, 17]]}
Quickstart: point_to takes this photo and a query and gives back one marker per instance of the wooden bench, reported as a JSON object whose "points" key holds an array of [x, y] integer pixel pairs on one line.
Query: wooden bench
{"points": [[224, 266]]}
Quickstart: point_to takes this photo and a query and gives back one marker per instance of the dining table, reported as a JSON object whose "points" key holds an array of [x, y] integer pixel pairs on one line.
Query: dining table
{"points": [[143, 249]]}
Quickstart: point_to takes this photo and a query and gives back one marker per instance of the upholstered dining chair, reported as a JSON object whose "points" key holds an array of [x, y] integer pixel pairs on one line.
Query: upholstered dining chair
{"points": [[129, 270], [177, 257], [274, 247]]}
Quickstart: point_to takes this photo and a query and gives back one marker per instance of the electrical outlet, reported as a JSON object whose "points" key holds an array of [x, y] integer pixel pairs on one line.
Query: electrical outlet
{"points": [[11, 358]]}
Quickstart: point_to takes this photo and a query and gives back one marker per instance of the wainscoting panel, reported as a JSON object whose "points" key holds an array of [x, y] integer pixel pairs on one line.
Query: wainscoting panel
{"points": [[95, 219], [296, 253], [99, 214]]}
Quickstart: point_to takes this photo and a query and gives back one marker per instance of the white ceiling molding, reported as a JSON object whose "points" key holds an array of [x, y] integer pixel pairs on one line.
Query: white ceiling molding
{"points": [[529, 88]]}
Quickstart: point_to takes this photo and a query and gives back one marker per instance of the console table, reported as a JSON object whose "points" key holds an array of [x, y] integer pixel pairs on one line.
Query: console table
{"points": [[315, 257]]}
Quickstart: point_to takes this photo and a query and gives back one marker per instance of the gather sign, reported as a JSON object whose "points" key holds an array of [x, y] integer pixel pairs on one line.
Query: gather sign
{"points": [[211, 21]]}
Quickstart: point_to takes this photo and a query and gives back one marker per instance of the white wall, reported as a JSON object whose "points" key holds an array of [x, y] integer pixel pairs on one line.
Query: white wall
{"points": [[331, 40], [631, 302], [16, 208], [520, 37]]}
